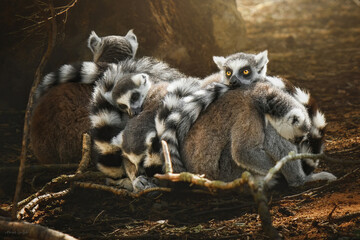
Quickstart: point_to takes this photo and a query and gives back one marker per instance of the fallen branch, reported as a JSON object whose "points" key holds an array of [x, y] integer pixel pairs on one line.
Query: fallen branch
{"points": [[86, 153], [37, 78], [59, 180], [29, 208], [30, 231], [119, 192], [292, 156], [246, 179]]}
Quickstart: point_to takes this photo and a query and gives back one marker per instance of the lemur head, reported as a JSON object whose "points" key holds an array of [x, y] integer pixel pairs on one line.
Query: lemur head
{"points": [[242, 68], [113, 48], [130, 91]]}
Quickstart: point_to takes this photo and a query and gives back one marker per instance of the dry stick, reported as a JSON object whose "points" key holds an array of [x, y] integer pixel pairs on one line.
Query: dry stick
{"points": [[292, 156], [168, 164], [51, 43], [85, 160], [31, 231], [31, 205], [59, 180], [86, 153], [117, 191], [246, 178]]}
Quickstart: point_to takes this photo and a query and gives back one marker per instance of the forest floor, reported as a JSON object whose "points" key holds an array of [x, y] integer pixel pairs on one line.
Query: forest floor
{"points": [[316, 45]]}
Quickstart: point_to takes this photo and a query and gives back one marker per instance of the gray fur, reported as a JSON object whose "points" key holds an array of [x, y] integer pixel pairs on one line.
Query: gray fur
{"points": [[113, 49]]}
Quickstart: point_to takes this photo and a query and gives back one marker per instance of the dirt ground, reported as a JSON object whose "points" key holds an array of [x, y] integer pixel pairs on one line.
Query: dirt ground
{"points": [[316, 45]]}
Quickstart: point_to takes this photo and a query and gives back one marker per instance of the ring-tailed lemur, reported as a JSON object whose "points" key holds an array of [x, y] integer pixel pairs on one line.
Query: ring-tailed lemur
{"points": [[67, 104], [106, 50], [90, 72], [116, 97], [241, 69], [285, 112], [228, 138]]}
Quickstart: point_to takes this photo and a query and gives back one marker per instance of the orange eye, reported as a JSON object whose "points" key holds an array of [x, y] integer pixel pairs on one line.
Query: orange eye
{"points": [[228, 73], [246, 72]]}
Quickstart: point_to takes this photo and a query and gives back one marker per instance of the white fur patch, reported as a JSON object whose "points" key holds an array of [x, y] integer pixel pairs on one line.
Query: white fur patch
{"points": [[118, 140], [302, 96], [89, 72], [175, 117], [66, 72], [48, 79], [315, 132], [171, 101], [159, 125], [200, 92], [276, 81], [149, 137], [319, 120], [114, 172], [105, 117], [188, 99]]}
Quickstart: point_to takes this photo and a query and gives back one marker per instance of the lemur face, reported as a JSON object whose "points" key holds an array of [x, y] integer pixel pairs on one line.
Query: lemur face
{"points": [[242, 68], [130, 91]]}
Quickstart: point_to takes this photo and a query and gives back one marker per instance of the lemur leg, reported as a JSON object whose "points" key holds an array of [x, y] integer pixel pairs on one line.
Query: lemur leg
{"points": [[139, 182], [278, 147]]}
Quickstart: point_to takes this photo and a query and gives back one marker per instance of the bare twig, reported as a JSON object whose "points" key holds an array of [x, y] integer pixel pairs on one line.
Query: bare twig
{"points": [[31, 231], [246, 179], [292, 156], [168, 164], [28, 208], [62, 179], [51, 44], [119, 192], [86, 152]]}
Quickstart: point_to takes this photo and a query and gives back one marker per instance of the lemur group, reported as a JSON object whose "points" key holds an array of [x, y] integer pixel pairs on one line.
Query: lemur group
{"points": [[237, 119]]}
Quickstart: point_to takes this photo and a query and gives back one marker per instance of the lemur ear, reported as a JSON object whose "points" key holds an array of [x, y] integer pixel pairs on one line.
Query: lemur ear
{"points": [[261, 60], [93, 41], [219, 61], [131, 37]]}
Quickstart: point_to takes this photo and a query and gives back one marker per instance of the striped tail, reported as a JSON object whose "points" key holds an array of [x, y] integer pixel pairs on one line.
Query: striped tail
{"points": [[107, 124], [178, 114], [84, 72]]}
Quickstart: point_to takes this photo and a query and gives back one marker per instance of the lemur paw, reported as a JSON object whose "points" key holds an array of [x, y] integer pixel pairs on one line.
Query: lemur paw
{"points": [[321, 176], [141, 183]]}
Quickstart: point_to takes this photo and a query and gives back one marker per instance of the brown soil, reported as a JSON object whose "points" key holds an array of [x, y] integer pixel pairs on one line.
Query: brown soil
{"points": [[316, 45]]}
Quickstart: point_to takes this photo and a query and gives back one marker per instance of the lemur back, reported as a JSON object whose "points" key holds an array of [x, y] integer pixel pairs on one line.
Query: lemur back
{"points": [[60, 116]]}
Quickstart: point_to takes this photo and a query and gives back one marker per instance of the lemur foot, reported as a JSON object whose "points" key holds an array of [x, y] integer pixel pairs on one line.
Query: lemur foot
{"points": [[141, 183]]}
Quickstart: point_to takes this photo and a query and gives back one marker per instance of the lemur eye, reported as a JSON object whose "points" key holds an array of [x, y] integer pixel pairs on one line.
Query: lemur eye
{"points": [[228, 73], [246, 72], [122, 107], [134, 97]]}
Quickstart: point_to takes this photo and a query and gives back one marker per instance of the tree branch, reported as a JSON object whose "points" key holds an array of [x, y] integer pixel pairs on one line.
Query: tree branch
{"points": [[32, 231], [39, 70]]}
